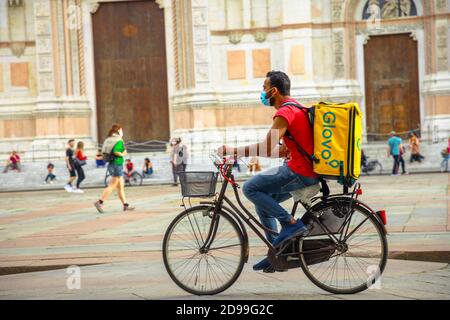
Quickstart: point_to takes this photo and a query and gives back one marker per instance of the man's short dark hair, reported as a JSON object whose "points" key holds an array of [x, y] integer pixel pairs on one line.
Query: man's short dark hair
{"points": [[280, 80], [71, 140]]}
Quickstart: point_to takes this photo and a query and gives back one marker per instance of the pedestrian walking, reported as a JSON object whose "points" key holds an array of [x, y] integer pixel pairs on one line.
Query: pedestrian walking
{"points": [[79, 162], [402, 160], [70, 165], [178, 158], [414, 145], [445, 153], [114, 149], [395, 149]]}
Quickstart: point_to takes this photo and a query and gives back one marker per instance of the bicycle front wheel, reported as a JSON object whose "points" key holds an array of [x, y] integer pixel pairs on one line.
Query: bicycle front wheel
{"points": [[203, 272], [108, 178], [135, 179], [353, 264]]}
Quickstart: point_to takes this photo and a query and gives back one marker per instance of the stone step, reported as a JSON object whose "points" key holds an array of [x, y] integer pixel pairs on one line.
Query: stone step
{"points": [[34, 173]]}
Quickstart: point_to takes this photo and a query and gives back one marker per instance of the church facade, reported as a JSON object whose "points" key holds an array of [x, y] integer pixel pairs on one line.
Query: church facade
{"points": [[195, 68]]}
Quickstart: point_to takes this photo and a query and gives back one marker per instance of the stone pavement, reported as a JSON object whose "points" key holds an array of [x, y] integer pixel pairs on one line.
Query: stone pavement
{"points": [[45, 230]]}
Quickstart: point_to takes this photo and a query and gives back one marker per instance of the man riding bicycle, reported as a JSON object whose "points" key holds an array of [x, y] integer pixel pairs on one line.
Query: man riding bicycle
{"points": [[267, 189]]}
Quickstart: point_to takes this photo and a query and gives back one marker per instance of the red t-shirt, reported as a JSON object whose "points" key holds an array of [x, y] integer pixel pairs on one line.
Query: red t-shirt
{"points": [[79, 154], [129, 166], [14, 159], [302, 132]]}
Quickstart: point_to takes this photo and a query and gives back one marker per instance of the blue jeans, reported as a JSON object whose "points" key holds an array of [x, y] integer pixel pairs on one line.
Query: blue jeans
{"points": [[267, 189]]}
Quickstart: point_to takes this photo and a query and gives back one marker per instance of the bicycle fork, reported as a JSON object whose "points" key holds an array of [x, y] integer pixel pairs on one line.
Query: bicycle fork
{"points": [[212, 230]]}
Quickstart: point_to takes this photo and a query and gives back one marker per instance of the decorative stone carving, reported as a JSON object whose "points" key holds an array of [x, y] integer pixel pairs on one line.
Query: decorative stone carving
{"points": [[405, 8], [201, 40], [202, 73], [199, 17], [389, 9], [42, 9], [366, 38], [337, 9], [44, 45], [442, 59], [235, 37], [15, 3], [45, 82], [18, 48], [389, 29], [441, 5], [43, 27], [201, 54], [260, 36], [45, 63], [200, 35], [160, 3], [338, 46], [94, 7]]}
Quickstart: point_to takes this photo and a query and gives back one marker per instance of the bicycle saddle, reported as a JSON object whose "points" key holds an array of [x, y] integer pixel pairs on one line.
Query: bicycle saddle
{"points": [[304, 195]]}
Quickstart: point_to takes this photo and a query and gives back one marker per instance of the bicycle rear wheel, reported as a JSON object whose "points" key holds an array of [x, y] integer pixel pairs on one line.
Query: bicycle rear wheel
{"points": [[135, 179], [355, 263], [197, 272], [378, 168]]}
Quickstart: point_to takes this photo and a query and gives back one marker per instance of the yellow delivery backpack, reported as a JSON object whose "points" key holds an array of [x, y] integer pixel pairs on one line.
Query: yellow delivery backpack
{"points": [[337, 140]]}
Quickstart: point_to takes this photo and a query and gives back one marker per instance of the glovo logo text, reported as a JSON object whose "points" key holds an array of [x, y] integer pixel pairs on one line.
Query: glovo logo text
{"points": [[329, 124]]}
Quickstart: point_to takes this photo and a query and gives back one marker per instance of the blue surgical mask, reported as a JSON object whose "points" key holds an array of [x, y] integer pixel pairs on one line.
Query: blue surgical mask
{"points": [[264, 100]]}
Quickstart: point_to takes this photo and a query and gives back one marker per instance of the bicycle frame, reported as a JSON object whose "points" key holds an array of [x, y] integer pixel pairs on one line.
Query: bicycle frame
{"points": [[256, 226], [218, 203]]}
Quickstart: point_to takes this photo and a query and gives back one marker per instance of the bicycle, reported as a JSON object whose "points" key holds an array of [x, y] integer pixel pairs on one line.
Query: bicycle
{"points": [[206, 246], [372, 166], [134, 180]]}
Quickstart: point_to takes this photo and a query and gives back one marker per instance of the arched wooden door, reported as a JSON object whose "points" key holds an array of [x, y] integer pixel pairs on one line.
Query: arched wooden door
{"points": [[392, 85], [130, 70]]}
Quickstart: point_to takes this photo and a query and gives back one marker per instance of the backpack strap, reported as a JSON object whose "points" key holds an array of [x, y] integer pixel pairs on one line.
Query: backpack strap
{"points": [[290, 137], [323, 183]]}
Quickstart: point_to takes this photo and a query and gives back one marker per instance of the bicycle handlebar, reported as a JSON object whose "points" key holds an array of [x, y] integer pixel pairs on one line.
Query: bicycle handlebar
{"points": [[223, 164]]}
